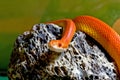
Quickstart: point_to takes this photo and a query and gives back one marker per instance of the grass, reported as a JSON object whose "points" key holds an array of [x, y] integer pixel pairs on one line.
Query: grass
{"points": [[20, 15]]}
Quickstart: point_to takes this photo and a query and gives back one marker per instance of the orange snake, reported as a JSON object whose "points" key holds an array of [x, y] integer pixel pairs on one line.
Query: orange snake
{"points": [[95, 28]]}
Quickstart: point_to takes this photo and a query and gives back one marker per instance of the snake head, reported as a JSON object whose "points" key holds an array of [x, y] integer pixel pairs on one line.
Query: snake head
{"points": [[57, 46], [68, 33]]}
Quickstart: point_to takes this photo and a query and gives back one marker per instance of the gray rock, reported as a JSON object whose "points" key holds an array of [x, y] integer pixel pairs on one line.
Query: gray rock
{"points": [[32, 59]]}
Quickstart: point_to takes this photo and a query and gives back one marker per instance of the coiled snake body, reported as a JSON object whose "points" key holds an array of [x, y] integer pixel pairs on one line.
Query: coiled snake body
{"points": [[95, 28]]}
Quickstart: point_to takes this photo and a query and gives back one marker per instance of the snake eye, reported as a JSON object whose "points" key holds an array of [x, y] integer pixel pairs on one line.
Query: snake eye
{"points": [[59, 45]]}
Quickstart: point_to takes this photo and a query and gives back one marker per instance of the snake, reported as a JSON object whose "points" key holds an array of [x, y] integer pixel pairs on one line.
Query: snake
{"points": [[94, 27], [69, 29]]}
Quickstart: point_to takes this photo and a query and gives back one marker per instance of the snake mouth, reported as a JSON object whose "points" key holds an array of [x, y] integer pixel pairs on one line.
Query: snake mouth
{"points": [[57, 46]]}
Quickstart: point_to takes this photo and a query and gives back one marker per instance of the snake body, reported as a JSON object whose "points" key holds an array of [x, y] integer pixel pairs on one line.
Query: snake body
{"points": [[95, 28], [69, 30]]}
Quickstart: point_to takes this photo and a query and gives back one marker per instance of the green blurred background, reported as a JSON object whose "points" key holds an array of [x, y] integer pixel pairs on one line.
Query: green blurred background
{"points": [[17, 16]]}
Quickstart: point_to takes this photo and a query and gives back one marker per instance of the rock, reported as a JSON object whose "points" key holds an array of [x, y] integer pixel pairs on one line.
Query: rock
{"points": [[32, 59]]}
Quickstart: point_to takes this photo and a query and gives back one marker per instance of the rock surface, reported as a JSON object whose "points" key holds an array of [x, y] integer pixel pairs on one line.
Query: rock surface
{"points": [[32, 59]]}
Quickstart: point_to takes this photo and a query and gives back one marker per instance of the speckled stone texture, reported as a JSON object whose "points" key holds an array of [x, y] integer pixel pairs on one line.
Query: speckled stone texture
{"points": [[32, 59]]}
